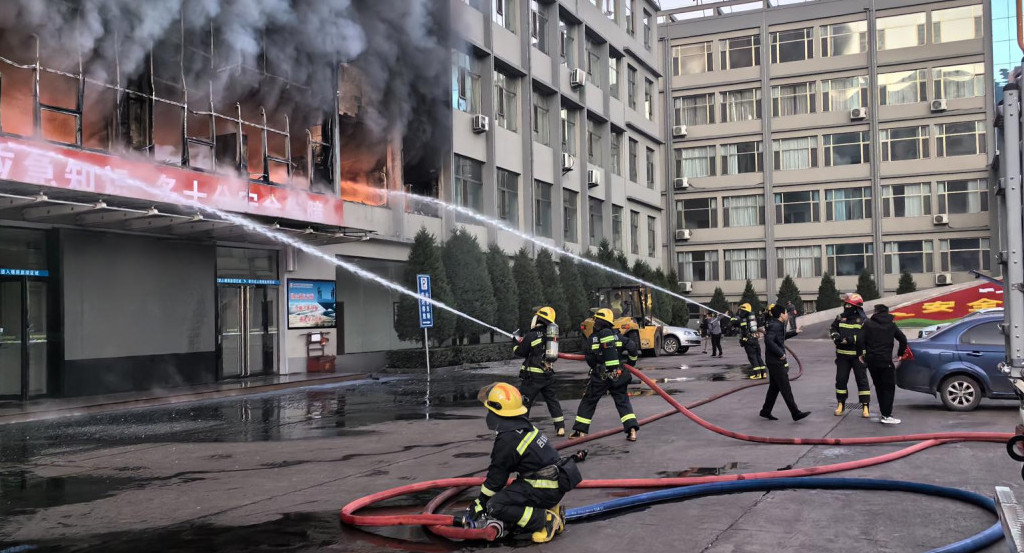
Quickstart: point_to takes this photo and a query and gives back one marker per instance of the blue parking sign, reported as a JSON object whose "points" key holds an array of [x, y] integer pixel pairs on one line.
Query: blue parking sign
{"points": [[426, 308]]}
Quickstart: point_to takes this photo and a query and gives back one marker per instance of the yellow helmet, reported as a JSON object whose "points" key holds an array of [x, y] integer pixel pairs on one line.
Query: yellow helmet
{"points": [[546, 313], [605, 315], [770, 306], [746, 307], [502, 399]]}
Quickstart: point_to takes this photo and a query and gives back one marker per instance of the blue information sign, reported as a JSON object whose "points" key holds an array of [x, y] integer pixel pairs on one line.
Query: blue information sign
{"points": [[24, 272], [426, 308]]}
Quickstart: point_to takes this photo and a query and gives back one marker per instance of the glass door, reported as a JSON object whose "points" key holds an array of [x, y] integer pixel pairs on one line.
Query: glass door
{"points": [[254, 300], [11, 338], [270, 344], [36, 333], [229, 335]]}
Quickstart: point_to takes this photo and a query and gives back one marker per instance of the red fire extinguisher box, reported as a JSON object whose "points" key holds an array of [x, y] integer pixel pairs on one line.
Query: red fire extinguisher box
{"points": [[317, 361]]}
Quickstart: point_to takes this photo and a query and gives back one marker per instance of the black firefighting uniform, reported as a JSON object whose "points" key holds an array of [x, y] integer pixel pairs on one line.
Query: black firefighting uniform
{"points": [[845, 332], [536, 375], [749, 342], [608, 350], [540, 484]]}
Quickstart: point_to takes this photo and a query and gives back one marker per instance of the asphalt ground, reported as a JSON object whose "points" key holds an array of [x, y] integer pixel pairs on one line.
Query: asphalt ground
{"points": [[269, 472]]}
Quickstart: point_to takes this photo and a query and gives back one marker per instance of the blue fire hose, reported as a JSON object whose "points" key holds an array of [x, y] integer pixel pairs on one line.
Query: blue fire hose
{"points": [[976, 542]]}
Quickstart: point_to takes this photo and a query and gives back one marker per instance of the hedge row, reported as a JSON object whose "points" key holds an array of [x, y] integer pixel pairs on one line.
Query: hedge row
{"points": [[463, 355]]}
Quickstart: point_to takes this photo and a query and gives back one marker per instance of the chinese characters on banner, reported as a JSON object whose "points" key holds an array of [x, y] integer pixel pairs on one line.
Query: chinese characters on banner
{"points": [[952, 306], [311, 304], [108, 175]]}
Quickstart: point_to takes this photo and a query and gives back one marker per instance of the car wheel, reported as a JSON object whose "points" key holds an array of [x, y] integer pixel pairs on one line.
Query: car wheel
{"points": [[960, 393], [671, 345]]}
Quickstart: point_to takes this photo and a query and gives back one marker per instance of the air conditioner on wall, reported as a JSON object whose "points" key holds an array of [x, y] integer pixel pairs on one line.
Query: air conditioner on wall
{"points": [[943, 279], [939, 104], [568, 162], [679, 131], [680, 183], [940, 219], [684, 234], [593, 178], [858, 114], [686, 287], [577, 78], [481, 123]]}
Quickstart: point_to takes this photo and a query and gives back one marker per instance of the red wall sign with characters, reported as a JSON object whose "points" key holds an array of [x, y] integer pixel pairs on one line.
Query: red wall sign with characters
{"points": [[950, 307]]}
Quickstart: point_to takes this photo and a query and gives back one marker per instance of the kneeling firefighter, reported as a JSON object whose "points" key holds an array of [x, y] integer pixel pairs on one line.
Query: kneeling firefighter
{"points": [[537, 377], [608, 351], [531, 504], [747, 325], [845, 332]]}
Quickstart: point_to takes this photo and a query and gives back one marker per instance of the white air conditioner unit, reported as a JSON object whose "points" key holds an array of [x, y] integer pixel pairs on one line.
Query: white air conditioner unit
{"points": [[939, 105], [568, 162], [858, 114], [577, 78], [684, 234], [679, 131], [940, 219], [686, 287], [680, 183], [481, 123], [593, 178], [943, 279]]}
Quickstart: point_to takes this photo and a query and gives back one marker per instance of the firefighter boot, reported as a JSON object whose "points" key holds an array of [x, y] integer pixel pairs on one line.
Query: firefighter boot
{"points": [[560, 431], [576, 434], [560, 509], [553, 526], [864, 412], [840, 409], [631, 435]]}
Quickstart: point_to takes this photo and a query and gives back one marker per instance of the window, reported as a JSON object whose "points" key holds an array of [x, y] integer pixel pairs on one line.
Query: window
{"points": [[843, 39], [963, 196], [506, 92], [649, 99], [793, 99], [960, 139], [904, 144], [850, 259], [984, 334], [542, 209], [693, 110], [631, 86], [955, 24], [959, 81], [596, 221], [538, 26], [508, 197], [743, 211], [799, 261], [466, 85], [902, 87], [469, 182], [741, 105], [698, 266], [795, 153], [608, 7], [695, 162], [593, 143], [616, 153], [570, 203], [593, 61], [964, 254], [627, 10], [634, 161], [906, 200], [797, 207], [647, 30], [741, 52], [613, 76], [848, 204], [568, 131], [849, 148], [745, 264], [634, 232], [649, 159], [742, 157], [652, 236], [900, 31], [913, 256], [617, 228], [541, 124], [697, 213], [567, 43], [792, 45], [505, 14], [691, 59], [844, 94]]}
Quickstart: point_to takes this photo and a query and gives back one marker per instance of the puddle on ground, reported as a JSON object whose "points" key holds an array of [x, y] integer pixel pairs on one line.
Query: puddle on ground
{"points": [[24, 492], [702, 471]]}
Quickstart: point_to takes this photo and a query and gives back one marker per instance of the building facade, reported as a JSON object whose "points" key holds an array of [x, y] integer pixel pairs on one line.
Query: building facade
{"points": [[830, 136]]}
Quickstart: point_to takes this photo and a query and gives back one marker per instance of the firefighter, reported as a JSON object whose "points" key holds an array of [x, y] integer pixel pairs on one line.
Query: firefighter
{"points": [[537, 377], [608, 351], [531, 504], [845, 333], [746, 323]]}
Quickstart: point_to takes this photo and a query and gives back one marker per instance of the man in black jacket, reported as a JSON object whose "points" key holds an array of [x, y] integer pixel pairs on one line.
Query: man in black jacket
{"points": [[878, 337], [778, 369], [537, 377]]}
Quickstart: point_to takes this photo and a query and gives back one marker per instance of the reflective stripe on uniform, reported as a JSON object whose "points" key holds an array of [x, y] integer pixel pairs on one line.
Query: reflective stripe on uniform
{"points": [[583, 420], [536, 342], [840, 391], [546, 484], [595, 345], [868, 393], [618, 344], [527, 439], [851, 325], [558, 419], [607, 339], [534, 369], [612, 363], [628, 417], [525, 519], [846, 352], [487, 491]]}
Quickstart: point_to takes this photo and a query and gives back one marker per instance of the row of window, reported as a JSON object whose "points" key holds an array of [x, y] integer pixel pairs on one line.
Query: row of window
{"points": [[840, 39], [840, 94], [841, 204], [846, 148], [566, 30], [913, 256]]}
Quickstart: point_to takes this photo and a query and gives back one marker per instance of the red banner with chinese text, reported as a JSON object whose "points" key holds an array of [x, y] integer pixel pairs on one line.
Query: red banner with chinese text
{"points": [[950, 307]]}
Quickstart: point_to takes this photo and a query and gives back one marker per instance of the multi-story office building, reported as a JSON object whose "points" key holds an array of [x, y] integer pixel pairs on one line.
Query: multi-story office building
{"points": [[829, 136]]}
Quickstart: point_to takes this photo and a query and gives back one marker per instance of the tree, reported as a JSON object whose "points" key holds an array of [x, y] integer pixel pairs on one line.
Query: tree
{"points": [[750, 296], [662, 301], [718, 301], [828, 294], [466, 265], [573, 292], [552, 287], [425, 258], [506, 294], [866, 286], [907, 284], [680, 308], [528, 285], [593, 279], [788, 291]]}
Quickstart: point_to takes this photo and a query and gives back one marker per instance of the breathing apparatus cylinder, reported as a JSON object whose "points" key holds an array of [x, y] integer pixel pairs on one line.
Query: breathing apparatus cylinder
{"points": [[551, 339], [752, 323]]}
